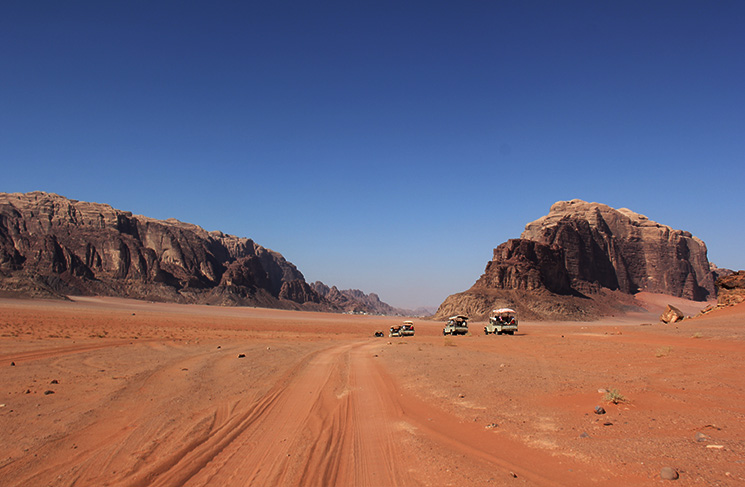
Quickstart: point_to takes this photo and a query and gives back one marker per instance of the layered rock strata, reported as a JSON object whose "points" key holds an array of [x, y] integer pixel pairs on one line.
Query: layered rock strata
{"points": [[585, 260], [54, 246]]}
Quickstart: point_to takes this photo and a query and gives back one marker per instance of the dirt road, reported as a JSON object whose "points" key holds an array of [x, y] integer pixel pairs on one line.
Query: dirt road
{"points": [[332, 416]]}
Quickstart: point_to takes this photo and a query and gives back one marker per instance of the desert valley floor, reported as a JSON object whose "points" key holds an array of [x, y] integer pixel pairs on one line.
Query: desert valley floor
{"points": [[104, 391]]}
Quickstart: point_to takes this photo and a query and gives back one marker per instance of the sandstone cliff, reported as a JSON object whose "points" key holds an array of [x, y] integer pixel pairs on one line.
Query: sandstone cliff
{"points": [[52, 246], [585, 260], [620, 249]]}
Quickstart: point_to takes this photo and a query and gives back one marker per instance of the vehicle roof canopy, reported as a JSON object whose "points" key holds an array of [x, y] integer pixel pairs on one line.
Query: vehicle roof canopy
{"points": [[501, 311], [408, 322], [458, 318]]}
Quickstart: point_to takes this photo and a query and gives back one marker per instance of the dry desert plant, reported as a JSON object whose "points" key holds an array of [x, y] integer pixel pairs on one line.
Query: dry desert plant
{"points": [[663, 351], [614, 396]]}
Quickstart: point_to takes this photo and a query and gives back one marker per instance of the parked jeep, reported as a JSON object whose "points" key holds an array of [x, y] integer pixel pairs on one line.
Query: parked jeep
{"points": [[502, 320], [407, 329], [456, 325], [395, 331]]}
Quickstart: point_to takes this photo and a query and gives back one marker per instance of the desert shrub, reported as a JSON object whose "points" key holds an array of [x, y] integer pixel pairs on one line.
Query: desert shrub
{"points": [[614, 396], [663, 351]]}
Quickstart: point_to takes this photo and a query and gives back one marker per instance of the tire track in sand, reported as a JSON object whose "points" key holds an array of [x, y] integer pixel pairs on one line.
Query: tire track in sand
{"points": [[327, 423]]}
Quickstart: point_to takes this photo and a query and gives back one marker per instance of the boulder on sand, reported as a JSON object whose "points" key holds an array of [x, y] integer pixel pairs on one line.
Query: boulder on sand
{"points": [[671, 314]]}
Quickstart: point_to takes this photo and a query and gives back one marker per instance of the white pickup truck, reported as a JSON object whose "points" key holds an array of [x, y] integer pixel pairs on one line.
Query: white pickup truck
{"points": [[502, 320]]}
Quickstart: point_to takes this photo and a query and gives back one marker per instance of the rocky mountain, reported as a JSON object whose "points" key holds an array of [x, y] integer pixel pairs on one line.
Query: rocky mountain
{"points": [[583, 260], [357, 302], [51, 246]]}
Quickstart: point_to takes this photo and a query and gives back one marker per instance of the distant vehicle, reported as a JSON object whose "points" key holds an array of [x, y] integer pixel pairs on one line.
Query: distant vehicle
{"points": [[502, 320], [407, 329], [395, 331], [456, 325], [379, 333]]}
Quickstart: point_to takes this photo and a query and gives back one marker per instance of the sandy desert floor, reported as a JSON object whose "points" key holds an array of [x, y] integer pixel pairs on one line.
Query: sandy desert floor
{"points": [[104, 391]]}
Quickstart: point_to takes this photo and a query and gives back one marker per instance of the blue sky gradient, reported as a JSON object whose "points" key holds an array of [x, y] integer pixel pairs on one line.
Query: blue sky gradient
{"points": [[382, 146]]}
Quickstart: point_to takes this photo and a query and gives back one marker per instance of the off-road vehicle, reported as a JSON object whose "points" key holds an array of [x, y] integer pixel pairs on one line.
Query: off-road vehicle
{"points": [[395, 331], [502, 320], [407, 329], [456, 325]]}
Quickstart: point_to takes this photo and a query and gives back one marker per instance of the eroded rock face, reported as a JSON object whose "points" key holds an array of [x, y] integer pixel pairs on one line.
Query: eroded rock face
{"points": [[620, 249], [526, 265], [581, 254], [51, 245], [731, 289], [356, 301]]}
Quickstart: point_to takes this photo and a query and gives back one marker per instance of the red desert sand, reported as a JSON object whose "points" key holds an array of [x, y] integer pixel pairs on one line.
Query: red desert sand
{"points": [[104, 391]]}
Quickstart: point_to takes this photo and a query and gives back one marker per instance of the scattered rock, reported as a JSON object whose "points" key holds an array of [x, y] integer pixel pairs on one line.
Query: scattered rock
{"points": [[54, 381], [701, 437], [46, 393], [513, 475], [241, 355], [28, 391], [671, 314], [669, 473], [491, 426], [12, 364], [715, 447], [607, 423], [584, 435], [599, 410]]}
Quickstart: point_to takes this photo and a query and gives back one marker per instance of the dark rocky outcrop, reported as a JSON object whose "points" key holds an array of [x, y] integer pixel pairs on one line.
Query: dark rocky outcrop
{"points": [[585, 260], [357, 302], [731, 289], [526, 265], [620, 249], [51, 246]]}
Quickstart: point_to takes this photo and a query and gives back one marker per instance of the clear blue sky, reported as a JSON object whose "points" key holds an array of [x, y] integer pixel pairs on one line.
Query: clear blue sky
{"points": [[381, 146]]}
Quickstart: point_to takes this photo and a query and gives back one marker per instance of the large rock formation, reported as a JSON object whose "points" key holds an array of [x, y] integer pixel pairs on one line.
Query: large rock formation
{"points": [[620, 249], [583, 260], [356, 301], [51, 246]]}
